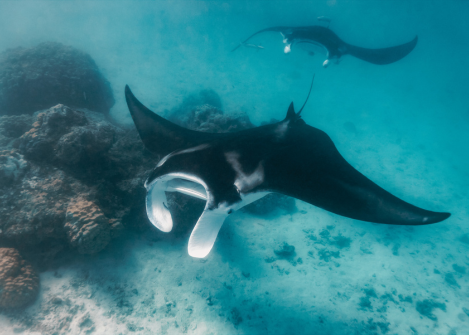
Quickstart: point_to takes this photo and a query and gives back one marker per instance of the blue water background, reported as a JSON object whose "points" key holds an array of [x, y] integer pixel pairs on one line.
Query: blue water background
{"points": [[411, 117]]}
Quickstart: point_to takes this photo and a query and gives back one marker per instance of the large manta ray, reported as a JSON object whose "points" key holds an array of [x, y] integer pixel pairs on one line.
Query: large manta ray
{"points": [[333, 46], [231, 170]]}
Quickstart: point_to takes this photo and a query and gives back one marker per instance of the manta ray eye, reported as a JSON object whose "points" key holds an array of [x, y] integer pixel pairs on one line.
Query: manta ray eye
{"points": [[230, 211]]}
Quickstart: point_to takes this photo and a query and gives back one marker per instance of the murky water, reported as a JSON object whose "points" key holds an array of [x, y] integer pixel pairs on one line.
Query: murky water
{"points": [[403, 125]]}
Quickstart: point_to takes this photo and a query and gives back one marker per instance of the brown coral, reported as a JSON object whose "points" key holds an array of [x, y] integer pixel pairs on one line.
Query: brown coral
{"points": [[19, 284], [87, 228]]}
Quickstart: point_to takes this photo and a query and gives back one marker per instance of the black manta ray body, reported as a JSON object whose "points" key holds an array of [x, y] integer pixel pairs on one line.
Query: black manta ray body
{"points": [[334, 47], [231, 170]]}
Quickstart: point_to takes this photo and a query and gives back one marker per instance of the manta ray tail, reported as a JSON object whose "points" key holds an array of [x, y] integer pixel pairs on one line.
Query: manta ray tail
{"points": [[385, 55], [159, 135]]}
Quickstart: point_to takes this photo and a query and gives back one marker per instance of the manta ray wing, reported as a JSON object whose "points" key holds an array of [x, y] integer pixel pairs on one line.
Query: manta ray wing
{"points": [[159, 135], [313, 170], [382, 56]]}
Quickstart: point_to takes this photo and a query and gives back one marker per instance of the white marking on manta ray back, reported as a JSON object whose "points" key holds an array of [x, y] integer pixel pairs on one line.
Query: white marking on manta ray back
{"points": [[245, 182], [281, 129]]}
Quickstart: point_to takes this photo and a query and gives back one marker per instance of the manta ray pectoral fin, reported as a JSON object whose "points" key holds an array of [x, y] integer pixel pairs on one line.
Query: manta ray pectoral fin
{"points": [[384, 55], [205, 232], [159, 135], [325, 179]]}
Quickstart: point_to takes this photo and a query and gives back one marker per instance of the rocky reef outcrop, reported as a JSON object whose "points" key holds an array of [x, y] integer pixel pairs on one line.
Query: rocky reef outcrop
{"points": [[70, 181], [86, 226], [19, 283], [50, 73]]}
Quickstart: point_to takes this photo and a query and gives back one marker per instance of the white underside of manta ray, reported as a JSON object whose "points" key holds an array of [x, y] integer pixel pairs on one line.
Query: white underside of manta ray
{"points": [[229, 171]]}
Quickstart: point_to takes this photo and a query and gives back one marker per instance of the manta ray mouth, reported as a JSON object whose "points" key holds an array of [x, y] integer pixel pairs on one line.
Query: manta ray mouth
{"points": [[208, 225], [157, 203]]}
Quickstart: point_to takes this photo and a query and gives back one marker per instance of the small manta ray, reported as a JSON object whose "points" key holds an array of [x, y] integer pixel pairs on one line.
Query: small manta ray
{"points": [[323, 39], [231, 170]]}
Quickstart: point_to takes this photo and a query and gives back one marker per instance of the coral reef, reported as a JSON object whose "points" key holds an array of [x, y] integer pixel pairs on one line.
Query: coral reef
{"points": [[70, 180], [12, 127], [86, 226], [12, 166], [193, 101], [210, 119], [19, 283], [48, 74]]}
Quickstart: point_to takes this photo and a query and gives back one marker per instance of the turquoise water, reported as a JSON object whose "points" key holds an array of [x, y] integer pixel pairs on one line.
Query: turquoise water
{"points": [[411, 119]]}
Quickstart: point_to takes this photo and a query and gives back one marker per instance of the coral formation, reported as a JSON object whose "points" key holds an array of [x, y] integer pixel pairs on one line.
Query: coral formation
{"points": [[210, 119], [12, 166], [63, 135], [86, 226], [48, 74], [19, 283], [67, 159]]}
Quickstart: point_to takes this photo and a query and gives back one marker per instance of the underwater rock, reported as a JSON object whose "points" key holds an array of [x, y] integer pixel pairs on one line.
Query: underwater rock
{"points": [[210, 119], [69, 155], [86, 227], [12, 166], [33, 210], [193, 101], [48, 74], [202, 112], [85, 144], [48, 127], [19, 283], [68, 136], [427, 306], [285, 250], [12, 127]]}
